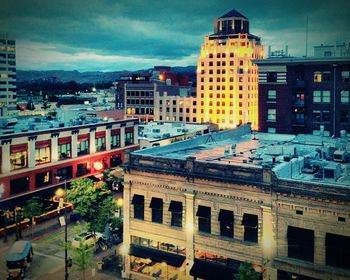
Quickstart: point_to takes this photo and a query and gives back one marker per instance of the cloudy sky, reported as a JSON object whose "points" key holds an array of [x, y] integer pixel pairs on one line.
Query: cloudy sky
{"points": [[109, 35]]}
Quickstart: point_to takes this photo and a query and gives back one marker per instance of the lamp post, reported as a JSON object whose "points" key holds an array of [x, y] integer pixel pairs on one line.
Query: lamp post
{"points": [[60, 178], [124, 250], [120, 207]]}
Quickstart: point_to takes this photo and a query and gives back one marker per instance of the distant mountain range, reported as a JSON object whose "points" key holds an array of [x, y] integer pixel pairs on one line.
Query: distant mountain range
{"points": [[24, 76]]}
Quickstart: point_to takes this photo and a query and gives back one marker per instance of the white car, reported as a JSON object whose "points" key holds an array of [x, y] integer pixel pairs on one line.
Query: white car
{"points": [[97, 240]]}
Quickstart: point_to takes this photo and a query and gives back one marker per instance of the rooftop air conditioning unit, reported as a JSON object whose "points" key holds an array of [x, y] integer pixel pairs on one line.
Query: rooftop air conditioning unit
{"points": [[339, 156]]}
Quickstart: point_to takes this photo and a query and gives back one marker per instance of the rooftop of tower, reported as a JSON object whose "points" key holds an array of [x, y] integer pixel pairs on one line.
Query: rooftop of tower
{"points": [[233, 13]]}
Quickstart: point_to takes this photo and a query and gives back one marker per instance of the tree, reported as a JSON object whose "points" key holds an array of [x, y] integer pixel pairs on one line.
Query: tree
{"points": [[246, 272], [95, 204], [32, 208], [82, 257]]}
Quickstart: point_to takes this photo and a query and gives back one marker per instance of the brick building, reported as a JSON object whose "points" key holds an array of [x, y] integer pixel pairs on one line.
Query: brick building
{"points": [[304, 95]]}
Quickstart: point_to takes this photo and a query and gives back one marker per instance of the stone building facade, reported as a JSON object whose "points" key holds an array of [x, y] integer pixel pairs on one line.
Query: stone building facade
{"points": [[199, 208]]}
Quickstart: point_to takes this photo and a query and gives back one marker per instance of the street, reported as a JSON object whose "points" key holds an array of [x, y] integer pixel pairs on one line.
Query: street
{"points": [[48, 260]]}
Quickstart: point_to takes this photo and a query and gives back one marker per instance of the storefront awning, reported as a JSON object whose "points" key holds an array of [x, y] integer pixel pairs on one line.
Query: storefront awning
{"points": [[208, 270], [93, 178], [157, 255]]}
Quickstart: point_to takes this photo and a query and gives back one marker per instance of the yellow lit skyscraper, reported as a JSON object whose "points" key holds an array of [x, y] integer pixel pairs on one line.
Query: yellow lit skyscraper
{"points": [[227, 80]]}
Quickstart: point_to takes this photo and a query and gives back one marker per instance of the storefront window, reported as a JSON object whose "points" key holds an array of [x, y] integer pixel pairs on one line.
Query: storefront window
{"points": [[19, 185], [66, 172], [43, 179], [82, 169]]}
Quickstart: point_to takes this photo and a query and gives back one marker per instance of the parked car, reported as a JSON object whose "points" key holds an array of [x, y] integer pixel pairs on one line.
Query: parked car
{"points": [[97, 240], [18, 259]]}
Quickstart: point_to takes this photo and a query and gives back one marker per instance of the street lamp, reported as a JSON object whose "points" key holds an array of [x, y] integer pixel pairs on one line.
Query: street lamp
{"points": [[59, 192], [120, 206]]}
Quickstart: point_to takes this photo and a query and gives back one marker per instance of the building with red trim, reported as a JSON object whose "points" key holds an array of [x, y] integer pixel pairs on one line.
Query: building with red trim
{"points": [[32, 155]]}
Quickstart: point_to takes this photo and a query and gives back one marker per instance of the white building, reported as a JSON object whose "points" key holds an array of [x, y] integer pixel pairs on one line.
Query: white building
{"points": [[8, 97], [154, 134]]}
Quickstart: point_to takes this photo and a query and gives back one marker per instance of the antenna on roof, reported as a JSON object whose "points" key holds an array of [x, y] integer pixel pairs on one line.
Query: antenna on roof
{"points": [[210, 139], [307, 34]]}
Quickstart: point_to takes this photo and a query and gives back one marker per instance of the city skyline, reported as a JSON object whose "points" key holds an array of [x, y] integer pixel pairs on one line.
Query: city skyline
{"points": [[109, 36]]}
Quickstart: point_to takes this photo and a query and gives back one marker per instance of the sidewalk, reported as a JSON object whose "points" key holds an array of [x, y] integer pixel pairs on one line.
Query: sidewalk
{"points": [[43, 231], [38, 230]]}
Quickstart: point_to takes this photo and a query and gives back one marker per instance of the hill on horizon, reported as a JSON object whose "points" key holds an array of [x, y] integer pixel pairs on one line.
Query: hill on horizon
{"points": [[84, 77]]}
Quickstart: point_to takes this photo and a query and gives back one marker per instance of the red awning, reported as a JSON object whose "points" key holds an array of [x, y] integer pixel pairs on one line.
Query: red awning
{"points": [[100, 134], [42, 144], [83, 137], [65, 140], [115, 131], [19, 148]]}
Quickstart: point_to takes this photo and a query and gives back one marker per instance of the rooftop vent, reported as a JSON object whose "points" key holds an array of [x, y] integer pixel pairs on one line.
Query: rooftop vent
{"points": [[343, 133], [227, 150], [339, 156]]}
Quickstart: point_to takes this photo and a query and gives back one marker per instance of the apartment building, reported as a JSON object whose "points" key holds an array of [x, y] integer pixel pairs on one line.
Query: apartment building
{"points": [[8, 97], [200, 207], [175, 104], [227, 79], [35, 150], [304, 95]]}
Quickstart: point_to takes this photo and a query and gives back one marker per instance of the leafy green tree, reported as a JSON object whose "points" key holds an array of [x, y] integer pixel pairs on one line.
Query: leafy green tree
{"points": [[95, 204], [82, 257], [33, 207], [246, 272]]}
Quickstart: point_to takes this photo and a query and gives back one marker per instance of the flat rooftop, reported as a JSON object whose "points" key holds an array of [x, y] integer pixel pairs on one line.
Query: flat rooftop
{"points": [[24, 124], [154, 131], [301, 157], [302, 60]]}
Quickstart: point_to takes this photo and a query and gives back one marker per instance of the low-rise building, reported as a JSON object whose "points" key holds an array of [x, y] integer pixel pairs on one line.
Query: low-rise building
{"points": [[36, 150], [175, 104], [199, 208], [334, 50], [160, 133]]}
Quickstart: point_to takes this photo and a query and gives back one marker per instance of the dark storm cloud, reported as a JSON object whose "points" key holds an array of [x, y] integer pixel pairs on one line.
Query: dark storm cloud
{"points": [[111, 34]]}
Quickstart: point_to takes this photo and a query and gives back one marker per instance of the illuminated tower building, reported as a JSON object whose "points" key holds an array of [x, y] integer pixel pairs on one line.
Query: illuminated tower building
{"points": [[227, 79]]}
